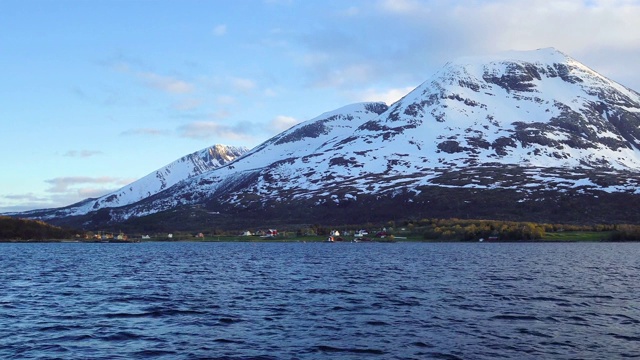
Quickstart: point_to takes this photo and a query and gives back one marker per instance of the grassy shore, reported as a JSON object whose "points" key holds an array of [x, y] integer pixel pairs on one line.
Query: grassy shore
{"points": [[578, 236], [565, 236]]}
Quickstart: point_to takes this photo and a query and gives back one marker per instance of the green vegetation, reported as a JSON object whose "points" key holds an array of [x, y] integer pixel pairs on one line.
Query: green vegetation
{"points": [[429, 230], [31, 230], [492, 230], [626, 233], [410, 230], [578, 236]]}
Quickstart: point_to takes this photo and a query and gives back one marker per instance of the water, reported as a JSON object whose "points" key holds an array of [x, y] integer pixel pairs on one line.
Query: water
{"points": [[319, 301]]}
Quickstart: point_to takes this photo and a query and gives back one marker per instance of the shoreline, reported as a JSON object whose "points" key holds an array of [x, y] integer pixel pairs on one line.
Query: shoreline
{"points": [[302, 240]]}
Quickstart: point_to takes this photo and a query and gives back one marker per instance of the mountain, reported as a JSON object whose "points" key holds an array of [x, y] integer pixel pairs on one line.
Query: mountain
{"points": [[521, 135], [184, 168]]}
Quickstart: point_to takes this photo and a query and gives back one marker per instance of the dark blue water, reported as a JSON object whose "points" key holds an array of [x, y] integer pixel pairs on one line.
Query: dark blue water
{"points": [[319, 301]]}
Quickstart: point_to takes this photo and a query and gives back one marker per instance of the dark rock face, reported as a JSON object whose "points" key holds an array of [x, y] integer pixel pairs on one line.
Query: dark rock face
{"points": [[308, 131], [518, 77], [450, 147]]}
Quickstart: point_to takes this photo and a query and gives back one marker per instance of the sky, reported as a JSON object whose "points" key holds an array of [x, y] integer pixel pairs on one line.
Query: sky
{"points": [[97, 94]]}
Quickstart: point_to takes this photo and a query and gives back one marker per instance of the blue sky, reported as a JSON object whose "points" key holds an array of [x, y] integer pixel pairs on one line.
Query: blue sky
{"points": [[96, 94]]}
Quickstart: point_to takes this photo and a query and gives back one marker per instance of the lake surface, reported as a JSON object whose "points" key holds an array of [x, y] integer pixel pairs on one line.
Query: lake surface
{"points": [[320, 301]]}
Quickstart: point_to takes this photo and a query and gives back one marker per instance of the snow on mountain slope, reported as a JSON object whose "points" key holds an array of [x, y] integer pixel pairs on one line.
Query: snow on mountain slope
{"points": [[537, 120], [286, 159], [184, 168], [538, 109], [545, 110]]}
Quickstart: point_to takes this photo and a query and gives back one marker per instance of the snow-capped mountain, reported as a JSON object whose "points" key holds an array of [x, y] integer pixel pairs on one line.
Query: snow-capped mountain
{"points": [[184, 168], [529, 123]]}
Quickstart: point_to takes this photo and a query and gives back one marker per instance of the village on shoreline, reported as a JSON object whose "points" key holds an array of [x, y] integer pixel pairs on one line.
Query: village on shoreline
{"points": [[425, 230]]}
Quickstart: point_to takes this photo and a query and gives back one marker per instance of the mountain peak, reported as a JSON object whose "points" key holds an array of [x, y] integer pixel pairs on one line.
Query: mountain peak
{"points": [[182, 169], [548, 55], [223, 154]]}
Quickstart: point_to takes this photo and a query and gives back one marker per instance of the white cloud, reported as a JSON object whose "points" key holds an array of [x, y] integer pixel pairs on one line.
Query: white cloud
{"points": [[389, 96], [62, 192], [221, 114], [350, 75], [92, 192], [278, 2], [67, 190], [239, 131], [220, 30], [281, 123], [145, 132], [408, 40], [403, 6], [350, 11], [64, 184], [571, 26], [29, 197], [243, 85], [187, 104], [82, 153], [26, 202], [270, 92], [160, 82], [225, 100], [166, 83], [204, 130]]}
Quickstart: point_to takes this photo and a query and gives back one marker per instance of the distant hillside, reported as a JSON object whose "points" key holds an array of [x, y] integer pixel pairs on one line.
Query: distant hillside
{"points": [[21, 229]]}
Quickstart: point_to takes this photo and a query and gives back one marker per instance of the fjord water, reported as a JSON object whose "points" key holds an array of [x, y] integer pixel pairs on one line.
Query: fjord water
{"points": [[319, 301]]}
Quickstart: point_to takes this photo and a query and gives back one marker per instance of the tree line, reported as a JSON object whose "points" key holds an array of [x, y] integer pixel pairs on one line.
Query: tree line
{"points": [[473, 230], [22, 229]]}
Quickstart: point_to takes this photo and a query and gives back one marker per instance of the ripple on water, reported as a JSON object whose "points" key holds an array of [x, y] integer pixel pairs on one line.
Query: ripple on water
{"points": [[297, 301]]}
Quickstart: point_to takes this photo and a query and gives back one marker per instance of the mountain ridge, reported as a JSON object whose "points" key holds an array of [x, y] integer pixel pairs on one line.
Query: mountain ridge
{"points": [[540, 121], [181, 169]]}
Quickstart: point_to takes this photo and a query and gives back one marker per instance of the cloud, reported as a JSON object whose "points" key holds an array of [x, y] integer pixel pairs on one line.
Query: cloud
{"points": [[187, 104], [203, 130], [402, 6], [27, 201], [243, 85], [244, 131], [145, 132], [278, 2], [220, 30], [281, 123], [355, 73], [68, 190], [399, 43], [270, 92], [572, 26], [389, 96], [225, 100], [62, 192], [166, 83], [84, 193], [82, 153], [28, 197], [64, 184], [350, 11]]}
